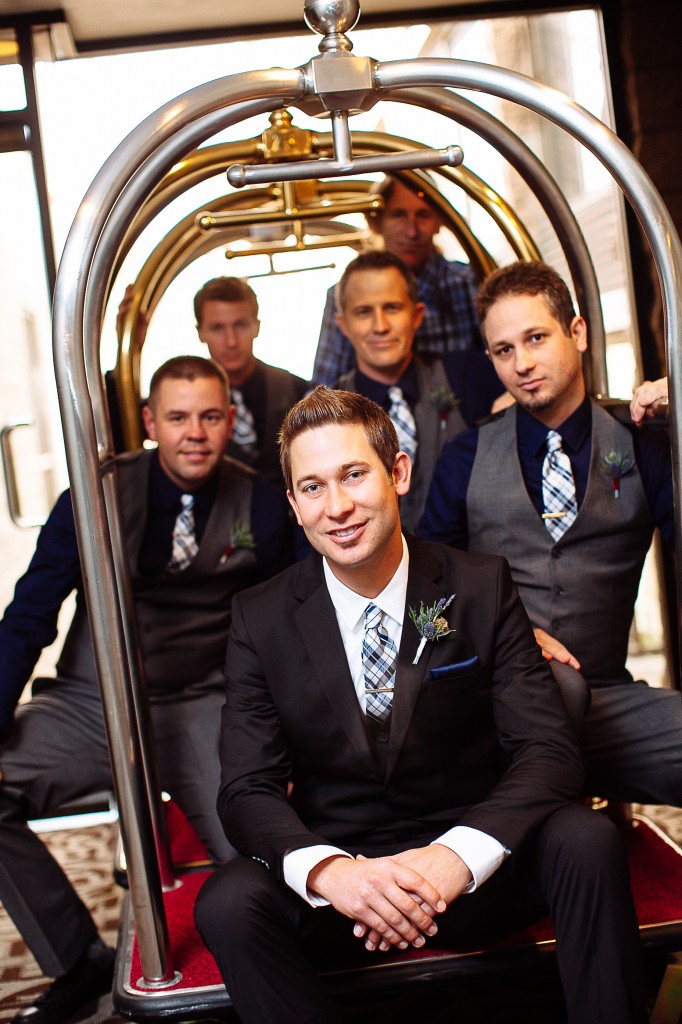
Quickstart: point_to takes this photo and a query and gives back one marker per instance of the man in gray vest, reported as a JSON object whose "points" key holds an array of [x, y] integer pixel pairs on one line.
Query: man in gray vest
{"points": [[570, 497], [197, 527], [428, 400]]}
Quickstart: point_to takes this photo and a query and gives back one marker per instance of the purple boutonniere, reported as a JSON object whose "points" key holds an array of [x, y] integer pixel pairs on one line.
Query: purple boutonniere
{"points": [[430, 623], [617, 464], [444, 401], [240, 537]]}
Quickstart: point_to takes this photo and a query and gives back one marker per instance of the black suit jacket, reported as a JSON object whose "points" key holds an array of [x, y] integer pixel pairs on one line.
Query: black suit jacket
{"points": [[484, 744]]}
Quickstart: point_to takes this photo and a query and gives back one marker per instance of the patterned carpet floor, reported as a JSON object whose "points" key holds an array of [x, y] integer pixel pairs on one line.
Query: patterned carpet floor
{"points": [[87, 856]]}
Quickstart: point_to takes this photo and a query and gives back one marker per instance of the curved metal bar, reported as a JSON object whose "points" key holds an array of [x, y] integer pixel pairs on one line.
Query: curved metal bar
{"points": [[550, 197], [624, 168], [76, 340]]}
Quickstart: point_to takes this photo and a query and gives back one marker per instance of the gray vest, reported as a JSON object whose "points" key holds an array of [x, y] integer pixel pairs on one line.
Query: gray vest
{"points": [[183, 619], [582, 589], [433, 430]]}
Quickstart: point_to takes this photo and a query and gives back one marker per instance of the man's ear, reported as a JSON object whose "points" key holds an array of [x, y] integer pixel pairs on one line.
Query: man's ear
{"points": [[148, 420], [419, 310], [341, 324], [293, 504], [579, 333], [402, 473]]}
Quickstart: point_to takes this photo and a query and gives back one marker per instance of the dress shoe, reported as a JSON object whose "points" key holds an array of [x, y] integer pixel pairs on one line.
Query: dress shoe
{"points": [[84, 983]]}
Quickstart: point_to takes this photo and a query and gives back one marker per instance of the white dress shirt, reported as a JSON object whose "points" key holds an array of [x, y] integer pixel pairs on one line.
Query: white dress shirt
{"points": [[480, 852]]}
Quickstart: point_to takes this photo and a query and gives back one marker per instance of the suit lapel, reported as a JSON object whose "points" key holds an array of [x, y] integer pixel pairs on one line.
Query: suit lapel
{"points": [[316, 622]]}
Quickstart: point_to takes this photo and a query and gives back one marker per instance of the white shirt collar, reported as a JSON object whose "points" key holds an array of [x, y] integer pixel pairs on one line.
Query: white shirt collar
{"points": [[350, 607]]}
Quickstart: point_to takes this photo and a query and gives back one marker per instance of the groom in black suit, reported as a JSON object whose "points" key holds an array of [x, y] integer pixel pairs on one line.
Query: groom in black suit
{"points": [[430, 768]]}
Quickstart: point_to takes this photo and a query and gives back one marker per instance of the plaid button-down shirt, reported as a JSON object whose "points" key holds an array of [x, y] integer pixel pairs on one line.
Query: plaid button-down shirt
{"points": [[447, 291]]}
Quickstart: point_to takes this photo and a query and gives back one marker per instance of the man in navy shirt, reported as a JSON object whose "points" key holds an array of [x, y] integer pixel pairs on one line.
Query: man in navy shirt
{"points": [[570, 497], [427, 399], [197, 528], [407, 225]]}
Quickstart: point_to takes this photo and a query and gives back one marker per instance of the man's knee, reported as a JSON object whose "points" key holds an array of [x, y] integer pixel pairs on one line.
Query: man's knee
{"points": [[577, 839], [229, 901]]}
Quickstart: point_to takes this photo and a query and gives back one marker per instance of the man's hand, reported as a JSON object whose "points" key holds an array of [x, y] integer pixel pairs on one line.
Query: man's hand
{"points": [[392, 904], [553, 649], [440, 866], [649, 400], [437, 864]]}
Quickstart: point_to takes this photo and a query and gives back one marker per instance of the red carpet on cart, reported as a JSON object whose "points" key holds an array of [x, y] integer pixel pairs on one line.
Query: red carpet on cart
{"points": [[655, 869]]}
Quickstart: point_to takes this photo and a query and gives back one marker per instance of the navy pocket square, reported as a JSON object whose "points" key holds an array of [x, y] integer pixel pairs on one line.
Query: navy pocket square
{"points": [[458, 669]]}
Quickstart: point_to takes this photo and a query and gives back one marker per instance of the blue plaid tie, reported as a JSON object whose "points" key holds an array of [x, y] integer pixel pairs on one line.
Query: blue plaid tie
{"points": [[185, 544], [558, 488], [378, 663], [401, 416], [243, 429]]}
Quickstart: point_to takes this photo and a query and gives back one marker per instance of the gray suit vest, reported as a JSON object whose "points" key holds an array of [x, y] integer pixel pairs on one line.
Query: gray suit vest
{"points": [[183, 619], [582, 589], [433, 430]]}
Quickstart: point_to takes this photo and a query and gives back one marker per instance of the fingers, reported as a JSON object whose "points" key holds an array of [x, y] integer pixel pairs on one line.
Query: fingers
{"points": [[389, 906], [552, 649], [647, 400]]}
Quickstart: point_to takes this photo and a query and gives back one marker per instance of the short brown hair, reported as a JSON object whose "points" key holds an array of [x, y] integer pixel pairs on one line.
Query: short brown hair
{"points": [[375, 259], [187, 368], [531, 278], [324, 407], [224, 289]]}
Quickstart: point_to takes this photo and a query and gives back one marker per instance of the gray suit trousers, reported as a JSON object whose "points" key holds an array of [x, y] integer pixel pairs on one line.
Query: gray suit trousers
{"points": [[57, 753]]}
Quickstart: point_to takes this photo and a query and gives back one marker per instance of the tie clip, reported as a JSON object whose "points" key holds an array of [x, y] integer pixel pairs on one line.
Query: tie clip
{"points": [[554, 515]]}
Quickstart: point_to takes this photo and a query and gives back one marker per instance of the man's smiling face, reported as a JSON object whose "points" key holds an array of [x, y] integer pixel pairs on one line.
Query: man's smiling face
{"points": [[347, 503]]}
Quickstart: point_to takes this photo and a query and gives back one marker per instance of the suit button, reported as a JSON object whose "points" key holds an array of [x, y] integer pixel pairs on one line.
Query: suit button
{"points": [[392, 791], [556, 553], [559, 591], [382, 736]]}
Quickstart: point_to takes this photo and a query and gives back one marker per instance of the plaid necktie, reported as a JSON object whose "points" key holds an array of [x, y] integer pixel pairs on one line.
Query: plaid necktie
{"points": [[401, 416], [185, 544], [378, 663], [558, 488], [243, 429]]}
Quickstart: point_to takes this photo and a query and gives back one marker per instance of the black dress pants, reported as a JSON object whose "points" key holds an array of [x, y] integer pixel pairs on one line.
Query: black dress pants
{"points": [[265, 938]]}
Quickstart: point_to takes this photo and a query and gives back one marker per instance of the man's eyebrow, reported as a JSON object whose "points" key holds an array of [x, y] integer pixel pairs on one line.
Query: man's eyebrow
{"points": [[343, 468]]}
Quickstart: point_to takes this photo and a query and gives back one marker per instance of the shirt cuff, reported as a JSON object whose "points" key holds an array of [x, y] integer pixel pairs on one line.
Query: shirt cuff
{"points": [[480, 852], [298, 864]]}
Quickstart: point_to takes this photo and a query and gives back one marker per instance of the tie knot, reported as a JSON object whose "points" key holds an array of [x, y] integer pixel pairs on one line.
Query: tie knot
{"points": [[187, 500], [396, 394], [372, 616], [553, 442]]}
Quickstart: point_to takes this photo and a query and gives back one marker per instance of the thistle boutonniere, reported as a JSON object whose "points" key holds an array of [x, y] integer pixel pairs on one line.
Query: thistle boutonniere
{"points": [[444, 401], [430, 623], [240, 537], [617, 464]]}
